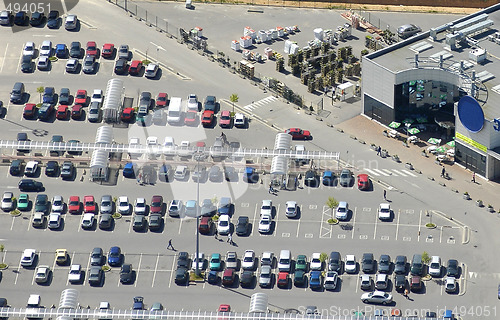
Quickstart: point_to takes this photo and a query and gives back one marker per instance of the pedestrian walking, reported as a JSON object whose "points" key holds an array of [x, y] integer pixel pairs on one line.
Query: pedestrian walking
{"points": [[406, 294], [270, 187], [139, 176], [230, 239], [170, 246], [385, 194], [474, 177], [216, 233], [379, 149], [443, 171]]}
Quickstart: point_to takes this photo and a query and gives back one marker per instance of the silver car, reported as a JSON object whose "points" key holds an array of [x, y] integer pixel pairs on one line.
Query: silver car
{"points": [[7, 201], [265, 278], [140, 206], [72, 65], [106, 204], [151, 70], [57, 204], [94, 112], [231, 260], [89, 64], [123, 52]]}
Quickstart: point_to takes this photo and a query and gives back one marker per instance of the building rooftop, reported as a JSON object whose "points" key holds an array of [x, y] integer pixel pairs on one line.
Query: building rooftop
{"points": [[484, 27]]}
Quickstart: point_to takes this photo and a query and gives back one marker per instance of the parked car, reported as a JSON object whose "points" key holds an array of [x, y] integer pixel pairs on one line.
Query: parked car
{"points": [[207, 118], [108, 50], [342, 211], [231, 260], [368, 263], [42, 203], [265, 277], [335, 262], [23, 202], [382, 281], [175, 208], [240, 120], [301, 263], [135, 67], [225, 120], [291, 209], [30, 111], [206, 225], [248, 262], [96, 257], [54, 220], [123, 52], [43, 63], [42, 274], [28, 258], [75, 274], [243, 226], [408, 30], [377, 297], [8, 202], [265, 223], [156, 204], [350, 264], [27, 65], [416, 283], [115, 256], [452, 268], [75, 50], [126, 273], [105, 221], [215, 262], [400, 283], [346, 178], [316, 264], [199, 261], [65, 96], [123, 205], [181, 276], [89, 205], [31, 168], [21, 18], [74, 205], [316, 280], [67, 170], [299, 134], [363, 182], [6, 18], [92, 49], [224, 225], [89, 64], [96, 276], [94, 114], [151, 70], [36, 18], [139, 223], [30, 185], [61, 50], [384, 211], [331, 280], [53, 19], [450, 285], [46, 49], [435, 266], [366, 282], [81, 97], [400, 265], [228, 277], [71, 22], [88, 220]]}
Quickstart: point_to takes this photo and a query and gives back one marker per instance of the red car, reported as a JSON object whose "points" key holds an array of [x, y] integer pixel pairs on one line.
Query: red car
{"points": [[62, 112], [92, 49], [74, 204], [283, 279], [108, 50], [156, 205], [190, 117], [224, 308], [299, 134], [161, 100], [225, 119], [208, 118], [77, 112], [128, 114], [29, 111], [206, 225], [135, 67], [228, 277], [89, 205], [81, 97], [363, 182]]}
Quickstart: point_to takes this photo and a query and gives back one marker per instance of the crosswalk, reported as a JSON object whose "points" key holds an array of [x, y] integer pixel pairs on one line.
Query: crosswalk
{"points": [[389, 172], [262, 102]]}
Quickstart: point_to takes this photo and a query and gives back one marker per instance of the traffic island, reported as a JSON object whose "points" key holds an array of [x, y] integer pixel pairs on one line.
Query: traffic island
{"points": [[332, 221], [15, 213], [3, 266], [430, 225], [117, 215], [106, 268], [197, 279]]}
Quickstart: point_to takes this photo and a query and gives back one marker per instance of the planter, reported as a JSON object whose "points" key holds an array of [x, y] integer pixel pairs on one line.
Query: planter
{"points": [[466, 196], [395, 158], [408, 166], [332, 221], [117, 215], [4, 266], [430, 226], [106, 268], [427, 277], [15, 213], [374, 147], [490, 209], [479, 203]]}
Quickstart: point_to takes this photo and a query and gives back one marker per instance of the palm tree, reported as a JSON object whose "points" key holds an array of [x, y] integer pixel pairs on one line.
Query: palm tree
{"points": [[234, 98]]}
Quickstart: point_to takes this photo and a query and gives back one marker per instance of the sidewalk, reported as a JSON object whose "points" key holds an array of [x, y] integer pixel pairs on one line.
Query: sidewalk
{"points": [[371, 132]]}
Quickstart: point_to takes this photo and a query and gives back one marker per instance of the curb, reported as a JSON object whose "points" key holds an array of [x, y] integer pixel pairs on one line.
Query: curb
{"points": [[463, 281]]}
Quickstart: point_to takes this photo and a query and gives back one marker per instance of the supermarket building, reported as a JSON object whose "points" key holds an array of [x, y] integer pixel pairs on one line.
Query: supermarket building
{"points": [[450, 76]]}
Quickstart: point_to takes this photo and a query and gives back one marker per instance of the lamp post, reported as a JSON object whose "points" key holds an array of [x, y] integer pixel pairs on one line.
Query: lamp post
{"points": [[197, 270]]}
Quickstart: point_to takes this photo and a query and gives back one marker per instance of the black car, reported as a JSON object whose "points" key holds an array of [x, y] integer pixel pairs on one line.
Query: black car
{"points": [[311, 178], [53, 19], [243, 226], [181, 275], [22, 136], [42, 203], [230, 174], [126, 273], [121, 66], [15, 167], [30, 185], [64, 96], [36, 18], [105, 221], [183, 260], [335, 262], [207, 208], [139, 223], [400, 282], [246, 279], [95, 276], [299, 278], [96, 257], [384, 264], [27, 64], [75, 50], [67, 170], [155, 221], [368, 263], [21, 18], [400, 265], [452, 268]]}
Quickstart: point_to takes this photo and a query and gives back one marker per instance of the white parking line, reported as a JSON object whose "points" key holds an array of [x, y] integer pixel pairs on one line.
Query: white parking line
{"points": [[298, 224], [72, 262], [180, 225], [4, 57], [130, 225], [276, 222], [137, 272], [172, 273], [419, 225], [397, 224], [19, 63], [81, 219], [357, 283], [254, 219], [375, 227], [353, 221], [12, 223], [156, 268]]}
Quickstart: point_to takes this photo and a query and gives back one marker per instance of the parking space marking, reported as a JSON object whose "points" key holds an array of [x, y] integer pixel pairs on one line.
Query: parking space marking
{"points": [[172, 273], [341, 236], [285, 234], [429, 238], [180, 225], [130, 225], [298, 223], [313, 206], [4, 56], [419, 226], [375, 227], [322, 232], [254, 219], [12, 223], [156, 268], [308, 235], [353, 221], [450, 240], [245, 204], [406, 238], [379, 171], [397, 223], [88, 266], [409, 173], [365, 209], [79, 225], [72, 260], [19, 63], [384, 238], [410, 211], [276, 222], [363, 236], [138, 270]]}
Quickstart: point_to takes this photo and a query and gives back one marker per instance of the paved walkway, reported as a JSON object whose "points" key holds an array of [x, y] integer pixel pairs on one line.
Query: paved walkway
{"points": [[372, 132]]}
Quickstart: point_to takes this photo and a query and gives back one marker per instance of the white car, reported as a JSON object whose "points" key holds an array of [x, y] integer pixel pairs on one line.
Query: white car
{"points": [[57, 204], [140, 206], [378, 297], [72, 65], [381, 282], [71, 22], [331, 280], [75, 274], [239, 120], [342, 211], [7, 201], [224, 225], [180, 172], [42, 274], [54, 220], [267, 259], [88, 220], [248, 260], [46, 49], [200, 261], [384, 211], [291, 209], [43, 63], [168, 146], [97, 96], [123, 205], [350, 263], [28, 257], [450, 284], [266, 208], [31, 168], [435, 266], [29, 49], [192, 102], [316, 264], [265, 223], [151, 70]]}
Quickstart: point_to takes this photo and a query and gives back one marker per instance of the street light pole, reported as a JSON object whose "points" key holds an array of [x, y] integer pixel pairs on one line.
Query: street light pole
{"points": [[197, 271]]}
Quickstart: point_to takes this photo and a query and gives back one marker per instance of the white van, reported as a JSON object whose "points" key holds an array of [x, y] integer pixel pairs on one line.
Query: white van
{"points": [[174, 110], [285, 260]]}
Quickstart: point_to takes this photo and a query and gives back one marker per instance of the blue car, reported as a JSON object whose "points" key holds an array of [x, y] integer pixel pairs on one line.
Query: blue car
{"points": [[61, 50], [250, 176], [129, 170], [49, 95], [316, 280], [115, 256], [328, 178]]}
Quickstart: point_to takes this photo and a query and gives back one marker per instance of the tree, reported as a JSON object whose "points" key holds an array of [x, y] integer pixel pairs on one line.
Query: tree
{"points": [[40, 91], [234, 98], [332, 203], [425, 257]]}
